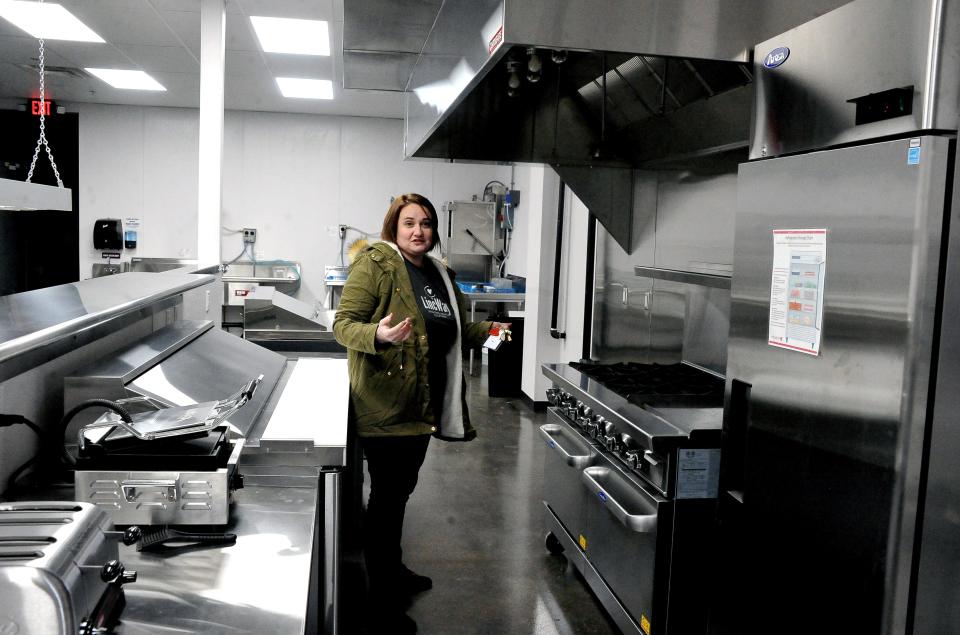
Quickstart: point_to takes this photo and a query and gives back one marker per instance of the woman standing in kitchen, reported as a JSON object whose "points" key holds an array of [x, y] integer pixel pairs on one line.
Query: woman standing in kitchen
{"points": [[401, 317]]}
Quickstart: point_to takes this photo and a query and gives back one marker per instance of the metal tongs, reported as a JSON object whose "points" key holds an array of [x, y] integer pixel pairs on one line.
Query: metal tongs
{"points": [[160, 422]]}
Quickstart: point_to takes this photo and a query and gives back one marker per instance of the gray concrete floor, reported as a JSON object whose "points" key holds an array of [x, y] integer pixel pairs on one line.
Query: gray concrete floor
{"points": [[474, 525]]}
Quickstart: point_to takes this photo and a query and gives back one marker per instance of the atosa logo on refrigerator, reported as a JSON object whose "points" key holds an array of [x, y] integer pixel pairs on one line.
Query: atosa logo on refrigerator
{"points": [[776, 57]]}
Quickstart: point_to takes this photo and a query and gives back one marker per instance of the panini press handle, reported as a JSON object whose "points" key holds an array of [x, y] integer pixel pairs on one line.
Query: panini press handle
{"points": [[133, 489]]}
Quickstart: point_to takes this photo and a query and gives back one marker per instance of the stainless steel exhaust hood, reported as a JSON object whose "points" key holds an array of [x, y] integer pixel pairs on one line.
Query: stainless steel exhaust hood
{"points": [[585, 85], [20, 195]]}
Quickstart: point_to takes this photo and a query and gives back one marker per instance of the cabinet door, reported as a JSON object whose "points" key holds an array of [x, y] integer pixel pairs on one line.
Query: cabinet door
{"points": [[623, 524]]}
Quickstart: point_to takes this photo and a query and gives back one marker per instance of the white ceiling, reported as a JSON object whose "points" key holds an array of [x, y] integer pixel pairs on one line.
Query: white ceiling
{"points": [[162, 37]]}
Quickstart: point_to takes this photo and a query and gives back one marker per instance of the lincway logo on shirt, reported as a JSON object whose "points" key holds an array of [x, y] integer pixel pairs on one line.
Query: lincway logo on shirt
{"points": [[433, 304]]}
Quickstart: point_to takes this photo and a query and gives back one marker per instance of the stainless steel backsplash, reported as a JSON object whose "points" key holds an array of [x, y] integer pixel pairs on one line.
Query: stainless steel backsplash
{"points": [[682, 222]]}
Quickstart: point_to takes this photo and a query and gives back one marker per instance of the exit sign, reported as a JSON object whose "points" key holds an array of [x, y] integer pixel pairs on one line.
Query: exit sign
{"points": [[38, 107]]}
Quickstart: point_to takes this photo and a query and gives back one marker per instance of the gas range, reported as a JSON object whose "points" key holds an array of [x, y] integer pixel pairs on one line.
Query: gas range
{"points": [[641, 413], [630, 487]]}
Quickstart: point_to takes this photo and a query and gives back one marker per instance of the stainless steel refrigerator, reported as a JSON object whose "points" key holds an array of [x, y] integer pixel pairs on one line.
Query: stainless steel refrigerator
{"points": [[840, 469]]}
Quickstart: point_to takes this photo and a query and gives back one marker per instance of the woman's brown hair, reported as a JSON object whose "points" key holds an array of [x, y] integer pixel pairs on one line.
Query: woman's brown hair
{"points": [[392, 219]]}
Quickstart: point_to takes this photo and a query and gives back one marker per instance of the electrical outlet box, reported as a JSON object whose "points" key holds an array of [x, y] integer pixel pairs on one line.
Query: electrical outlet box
{"points": [[249, 235]]}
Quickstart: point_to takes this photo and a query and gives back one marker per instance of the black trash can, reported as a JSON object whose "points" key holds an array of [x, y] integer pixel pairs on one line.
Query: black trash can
{"points": [[504, 365]]}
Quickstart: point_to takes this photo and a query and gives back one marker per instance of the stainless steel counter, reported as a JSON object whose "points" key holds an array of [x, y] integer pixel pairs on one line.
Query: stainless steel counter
{"points": [[258, 585]]}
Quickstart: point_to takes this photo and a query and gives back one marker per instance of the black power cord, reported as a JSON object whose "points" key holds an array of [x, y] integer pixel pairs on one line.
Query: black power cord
{"points": [[60, 446], [10, 420]]}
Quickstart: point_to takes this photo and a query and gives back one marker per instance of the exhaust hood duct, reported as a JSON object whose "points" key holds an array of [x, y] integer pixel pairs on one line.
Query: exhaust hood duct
{"points": [[20, 195], [667, 81]]}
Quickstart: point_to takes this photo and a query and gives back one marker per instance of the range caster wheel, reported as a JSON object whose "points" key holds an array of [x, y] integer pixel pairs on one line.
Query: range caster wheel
{"points": [[553, 544]]}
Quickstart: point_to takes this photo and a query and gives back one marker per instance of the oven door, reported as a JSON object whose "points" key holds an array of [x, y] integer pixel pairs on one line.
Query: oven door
{"points": [[624, 524], [567, 456]]}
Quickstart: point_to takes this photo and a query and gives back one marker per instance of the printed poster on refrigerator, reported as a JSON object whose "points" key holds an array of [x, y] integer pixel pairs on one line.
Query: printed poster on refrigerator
{"points": [[796, 289]]}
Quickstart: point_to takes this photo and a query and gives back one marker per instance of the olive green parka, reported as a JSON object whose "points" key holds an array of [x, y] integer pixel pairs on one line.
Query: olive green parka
{"points": [[389, 389]]}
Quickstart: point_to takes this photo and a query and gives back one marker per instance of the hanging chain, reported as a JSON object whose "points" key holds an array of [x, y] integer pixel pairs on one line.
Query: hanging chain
{"points": [[43, 133]]}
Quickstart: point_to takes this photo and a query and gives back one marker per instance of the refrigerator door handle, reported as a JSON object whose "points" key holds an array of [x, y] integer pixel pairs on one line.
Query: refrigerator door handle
{"points": [[735, 440]]}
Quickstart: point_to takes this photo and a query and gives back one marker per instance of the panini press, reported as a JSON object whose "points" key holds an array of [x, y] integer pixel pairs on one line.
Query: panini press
{"points": [[165, 466]]}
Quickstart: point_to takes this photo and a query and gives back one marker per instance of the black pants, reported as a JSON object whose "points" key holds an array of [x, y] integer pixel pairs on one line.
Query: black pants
{"points": [[394, 464]]}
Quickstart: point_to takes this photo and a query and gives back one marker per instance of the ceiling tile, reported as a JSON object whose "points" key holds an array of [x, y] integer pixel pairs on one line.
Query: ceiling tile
{"points": [[299, 66], [181, 90], [83, 55], [177, 5], [151, 34], [240, 34], [123, 21], [186, 28], [8, 30], [174, 59], [244, 64], [303, 9], [18, 49]]}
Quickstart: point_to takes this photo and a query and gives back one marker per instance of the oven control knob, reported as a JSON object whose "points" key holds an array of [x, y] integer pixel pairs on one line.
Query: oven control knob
{"points": [[600, 427], [553, 396], [611, 442], [586, 415], [632, 457], [592, 428], [575, 409]]}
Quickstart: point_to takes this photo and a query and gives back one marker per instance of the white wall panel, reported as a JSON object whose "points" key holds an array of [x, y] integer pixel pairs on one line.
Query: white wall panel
{"points": [[540, 227], [111, 171], [294, 178], [371, 172], [517, 260], [169, 209], [282, 179]]}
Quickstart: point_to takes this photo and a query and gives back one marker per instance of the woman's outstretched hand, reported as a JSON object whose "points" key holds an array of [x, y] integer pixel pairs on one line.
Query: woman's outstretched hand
{"points": [[387, 334]]}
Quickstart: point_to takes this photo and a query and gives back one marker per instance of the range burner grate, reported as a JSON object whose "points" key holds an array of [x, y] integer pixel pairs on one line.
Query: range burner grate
{"points": [[677, 385]]}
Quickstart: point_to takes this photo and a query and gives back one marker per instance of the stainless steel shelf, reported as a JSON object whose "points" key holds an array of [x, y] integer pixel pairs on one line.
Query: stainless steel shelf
{"points": [[688, 277], [37, 326], [493, 296]]}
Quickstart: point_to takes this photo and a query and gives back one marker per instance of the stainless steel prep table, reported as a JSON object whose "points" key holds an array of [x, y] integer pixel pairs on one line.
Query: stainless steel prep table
{"points": [[282, 574]]}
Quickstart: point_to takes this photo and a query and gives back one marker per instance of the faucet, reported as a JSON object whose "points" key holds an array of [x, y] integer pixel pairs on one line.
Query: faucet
{"points": [[625, 294]]}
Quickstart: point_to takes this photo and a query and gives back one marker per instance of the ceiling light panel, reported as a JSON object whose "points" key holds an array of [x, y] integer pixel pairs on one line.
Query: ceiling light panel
{"points": [[126, 79], [289, 35], [299, 88], [46, 20]]}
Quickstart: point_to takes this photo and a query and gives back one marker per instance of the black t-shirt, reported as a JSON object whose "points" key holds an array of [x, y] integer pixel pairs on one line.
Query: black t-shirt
{"points": [[437, 311]]}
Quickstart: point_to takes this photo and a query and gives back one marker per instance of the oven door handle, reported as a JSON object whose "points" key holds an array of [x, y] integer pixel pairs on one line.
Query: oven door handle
{"points": [[640, 523], [550, 432]]}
